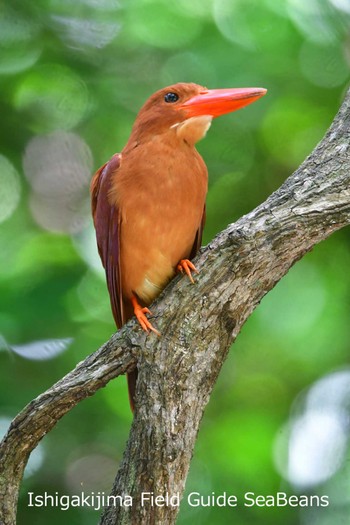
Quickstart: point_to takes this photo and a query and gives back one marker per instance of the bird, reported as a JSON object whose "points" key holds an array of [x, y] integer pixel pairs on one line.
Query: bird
{"points": [[148, 202]]}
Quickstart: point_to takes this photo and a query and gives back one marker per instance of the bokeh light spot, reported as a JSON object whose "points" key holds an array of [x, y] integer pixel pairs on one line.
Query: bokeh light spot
{"points": [[61, 216], [58, 164], [91, 473], [229, 19], [80, 33], [343, 5], [156, 25], [197, 8], [317, 20], [82, 6], [52, 97], [325, 66], [292, 128], [19, 51], [58, 167], [248, 24], [42, 350], [311, 449], [84, 242], [10, 189], [316, 448]]}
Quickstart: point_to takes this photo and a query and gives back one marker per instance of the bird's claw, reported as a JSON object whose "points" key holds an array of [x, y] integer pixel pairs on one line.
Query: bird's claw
{"points": [[187, 266], [140, 313]]}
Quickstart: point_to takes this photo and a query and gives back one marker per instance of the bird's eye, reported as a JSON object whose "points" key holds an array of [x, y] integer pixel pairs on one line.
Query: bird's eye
{"points": [[171, 97]]}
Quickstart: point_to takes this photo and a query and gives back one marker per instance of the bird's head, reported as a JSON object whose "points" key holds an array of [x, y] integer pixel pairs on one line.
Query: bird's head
{"points": [[188, 109]]}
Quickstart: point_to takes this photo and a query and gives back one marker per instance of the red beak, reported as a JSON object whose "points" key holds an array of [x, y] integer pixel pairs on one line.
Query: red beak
{"points": [[216, 102]]}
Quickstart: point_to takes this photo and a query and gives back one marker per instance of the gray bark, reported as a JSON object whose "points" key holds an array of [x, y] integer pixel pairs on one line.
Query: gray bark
{"points": [[198, 324]]}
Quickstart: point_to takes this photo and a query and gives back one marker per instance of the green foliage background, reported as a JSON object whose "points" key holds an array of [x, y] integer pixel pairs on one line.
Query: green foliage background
{"points": [[72, 78]]}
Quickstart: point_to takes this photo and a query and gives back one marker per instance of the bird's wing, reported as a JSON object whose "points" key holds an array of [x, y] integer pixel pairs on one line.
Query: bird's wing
{"points": [[198, 238], [107, 221]]}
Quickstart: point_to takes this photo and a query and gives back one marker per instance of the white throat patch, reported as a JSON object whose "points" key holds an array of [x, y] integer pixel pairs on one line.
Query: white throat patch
{"points": [[193, 129]]}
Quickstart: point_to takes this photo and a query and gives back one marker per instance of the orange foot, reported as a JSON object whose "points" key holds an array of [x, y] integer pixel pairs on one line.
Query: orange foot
{"points": [[140, 312], [186, 266]]}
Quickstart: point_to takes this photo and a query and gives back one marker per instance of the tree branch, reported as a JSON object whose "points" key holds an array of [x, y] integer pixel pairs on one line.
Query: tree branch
{"points": [[37, 419], [198, 324]]}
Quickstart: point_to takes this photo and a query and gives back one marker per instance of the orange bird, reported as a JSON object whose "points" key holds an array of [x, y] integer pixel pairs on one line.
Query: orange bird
{"points": [[148, 202]]}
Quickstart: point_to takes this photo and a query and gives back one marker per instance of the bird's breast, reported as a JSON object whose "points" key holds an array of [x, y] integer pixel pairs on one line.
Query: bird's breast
{"points": [[161, 198]]}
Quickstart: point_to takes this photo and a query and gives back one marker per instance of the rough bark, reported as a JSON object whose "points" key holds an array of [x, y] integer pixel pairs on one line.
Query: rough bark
{"points": [[198, 324]]}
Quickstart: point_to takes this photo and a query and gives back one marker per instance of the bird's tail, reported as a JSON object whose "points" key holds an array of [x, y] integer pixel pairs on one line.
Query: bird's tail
{"points": [[132, 378]]}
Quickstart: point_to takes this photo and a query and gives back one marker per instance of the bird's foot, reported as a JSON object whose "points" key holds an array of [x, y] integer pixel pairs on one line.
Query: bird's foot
{"points": [[140, 313], [187, 266]]}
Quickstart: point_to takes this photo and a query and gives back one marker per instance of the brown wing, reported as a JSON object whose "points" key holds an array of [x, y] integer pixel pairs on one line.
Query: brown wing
{"points": [[198, 239], [107, 223]]}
